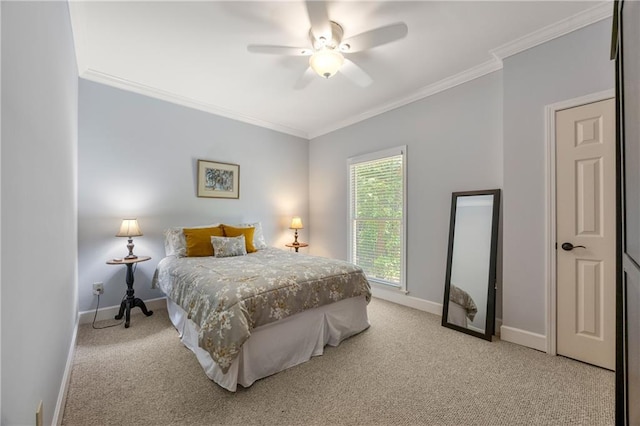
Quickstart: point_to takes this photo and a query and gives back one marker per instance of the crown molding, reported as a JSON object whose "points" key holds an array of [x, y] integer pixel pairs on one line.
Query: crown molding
{"points": [[430, 90], [440, 86], [132, 86], [602, 10], [77, 15], [590, 16]]}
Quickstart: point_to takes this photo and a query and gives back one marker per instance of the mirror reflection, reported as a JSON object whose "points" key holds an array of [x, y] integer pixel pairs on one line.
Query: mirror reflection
{"points": [[470, 284]]}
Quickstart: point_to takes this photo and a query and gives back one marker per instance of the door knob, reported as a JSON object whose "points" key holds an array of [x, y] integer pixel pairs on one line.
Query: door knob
{"points": [[569, 246]]}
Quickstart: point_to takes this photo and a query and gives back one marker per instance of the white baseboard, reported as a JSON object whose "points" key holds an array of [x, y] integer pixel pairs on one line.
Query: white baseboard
{"points": [[401, 298], [524, 338], [497, 326], [66, 379], [86, 317]]}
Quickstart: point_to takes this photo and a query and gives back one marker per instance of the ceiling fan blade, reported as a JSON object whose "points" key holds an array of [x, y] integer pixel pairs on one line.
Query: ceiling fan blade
{"points": [[304, 79], [319, 19], [279, 50], [377, 37], [355, 73]]}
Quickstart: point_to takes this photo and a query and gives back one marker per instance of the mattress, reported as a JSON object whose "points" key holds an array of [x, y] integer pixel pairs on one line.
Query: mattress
{"points": [[279, 345], [228, 298]]}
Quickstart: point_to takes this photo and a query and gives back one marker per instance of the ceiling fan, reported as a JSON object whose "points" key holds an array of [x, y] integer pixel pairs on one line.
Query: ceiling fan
{"points": [[328, 48]]}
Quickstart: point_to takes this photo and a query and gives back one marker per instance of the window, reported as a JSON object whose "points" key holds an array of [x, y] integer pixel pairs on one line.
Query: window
{"points": [[377, 186]]}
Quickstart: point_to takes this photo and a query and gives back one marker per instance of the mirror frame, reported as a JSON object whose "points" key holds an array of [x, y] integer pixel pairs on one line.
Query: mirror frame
{"points": [[491, 284]]}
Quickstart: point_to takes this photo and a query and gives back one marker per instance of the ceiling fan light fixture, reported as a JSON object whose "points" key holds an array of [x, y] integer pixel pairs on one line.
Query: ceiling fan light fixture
{"points": [[326, 62]]}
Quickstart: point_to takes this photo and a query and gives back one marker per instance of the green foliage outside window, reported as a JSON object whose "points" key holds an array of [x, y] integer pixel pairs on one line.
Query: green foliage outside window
{"points": [[377, 209]]}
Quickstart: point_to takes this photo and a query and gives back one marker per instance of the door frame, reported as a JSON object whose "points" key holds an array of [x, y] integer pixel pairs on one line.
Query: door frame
{"points": [[550, 207]]}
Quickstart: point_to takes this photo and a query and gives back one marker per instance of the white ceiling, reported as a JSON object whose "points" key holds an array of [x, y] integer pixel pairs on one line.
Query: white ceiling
{"points": [[194, 53]]}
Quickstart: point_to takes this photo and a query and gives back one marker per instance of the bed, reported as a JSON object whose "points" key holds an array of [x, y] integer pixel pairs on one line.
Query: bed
{"points": [[462, 308], [249, 316]]}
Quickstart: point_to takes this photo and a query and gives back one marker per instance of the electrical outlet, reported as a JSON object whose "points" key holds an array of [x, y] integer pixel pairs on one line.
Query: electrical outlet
{"points": [[98, 288]]}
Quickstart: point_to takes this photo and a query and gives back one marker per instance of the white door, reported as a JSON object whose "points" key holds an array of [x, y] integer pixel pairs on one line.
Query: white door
{"points": [[586, 219]]}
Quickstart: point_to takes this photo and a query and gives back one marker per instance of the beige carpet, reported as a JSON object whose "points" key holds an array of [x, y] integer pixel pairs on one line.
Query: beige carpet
{"points": [[404, 370]]}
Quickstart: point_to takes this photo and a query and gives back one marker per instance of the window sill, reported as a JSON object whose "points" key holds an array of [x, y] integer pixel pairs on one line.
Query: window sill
{"points": [[378, 285]]}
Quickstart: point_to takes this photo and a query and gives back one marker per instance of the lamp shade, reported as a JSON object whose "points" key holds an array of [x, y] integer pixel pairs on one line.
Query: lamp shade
{"points": [[296, 223], [326, 62], [129, 228]]}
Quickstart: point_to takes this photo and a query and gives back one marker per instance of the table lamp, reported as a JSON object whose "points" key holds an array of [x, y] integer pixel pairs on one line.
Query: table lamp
{"points": [[296, 223], [129, 229]]}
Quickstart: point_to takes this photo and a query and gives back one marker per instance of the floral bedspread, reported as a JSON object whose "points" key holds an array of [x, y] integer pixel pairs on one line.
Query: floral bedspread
{"points": [[462, 298], [228, 297]]}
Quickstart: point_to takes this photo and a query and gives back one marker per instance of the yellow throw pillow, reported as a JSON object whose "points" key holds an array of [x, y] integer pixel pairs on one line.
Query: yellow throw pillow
{"points": [[199, 240], [232, 231]]}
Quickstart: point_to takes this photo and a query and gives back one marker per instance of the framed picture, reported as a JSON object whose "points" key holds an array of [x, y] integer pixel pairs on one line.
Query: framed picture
{"points": [[218, 180]]}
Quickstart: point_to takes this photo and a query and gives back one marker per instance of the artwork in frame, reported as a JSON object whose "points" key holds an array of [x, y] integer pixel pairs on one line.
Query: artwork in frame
{"points": [[218, 180]]}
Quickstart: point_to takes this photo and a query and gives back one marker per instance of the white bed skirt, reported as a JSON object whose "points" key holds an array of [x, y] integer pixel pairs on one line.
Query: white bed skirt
{"points": [[457, 315], [277, 346]]}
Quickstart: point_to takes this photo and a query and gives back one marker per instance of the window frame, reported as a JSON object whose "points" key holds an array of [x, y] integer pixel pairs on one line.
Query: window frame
{"points": [[372, 156]]}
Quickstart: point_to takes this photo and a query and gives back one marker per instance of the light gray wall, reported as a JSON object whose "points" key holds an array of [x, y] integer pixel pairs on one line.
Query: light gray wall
{"points": [[454, 143], [39, 222], [138, 157], [565, 68]]}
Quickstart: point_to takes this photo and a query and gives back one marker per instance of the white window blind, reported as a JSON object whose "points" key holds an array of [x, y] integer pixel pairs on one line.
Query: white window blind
{"points": [[377, 213]]}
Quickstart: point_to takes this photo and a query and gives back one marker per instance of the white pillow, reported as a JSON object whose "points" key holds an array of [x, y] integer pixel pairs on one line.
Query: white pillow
{"points": [[229, 246], [174, 242], [258, 237]]}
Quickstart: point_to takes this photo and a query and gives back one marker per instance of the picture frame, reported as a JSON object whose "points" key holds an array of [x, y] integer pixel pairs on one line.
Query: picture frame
{"points": [[218, 180]]}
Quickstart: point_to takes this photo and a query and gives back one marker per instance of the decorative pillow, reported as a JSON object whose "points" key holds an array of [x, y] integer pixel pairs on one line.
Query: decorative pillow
{"points": [[229, 246], [258, 237], [199, 240], [174, 244], [232, 231], [174, 241]]}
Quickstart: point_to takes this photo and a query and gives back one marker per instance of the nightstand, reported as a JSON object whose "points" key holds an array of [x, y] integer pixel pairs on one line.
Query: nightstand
{"points": [[130, 301], [297, 246]]}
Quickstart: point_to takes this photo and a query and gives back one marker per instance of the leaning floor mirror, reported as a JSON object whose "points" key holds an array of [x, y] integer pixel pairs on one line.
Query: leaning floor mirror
{"points": [[469, 291]]}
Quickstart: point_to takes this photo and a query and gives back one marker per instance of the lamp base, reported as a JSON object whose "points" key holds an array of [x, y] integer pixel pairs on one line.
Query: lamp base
{"points": [[130, 247]]}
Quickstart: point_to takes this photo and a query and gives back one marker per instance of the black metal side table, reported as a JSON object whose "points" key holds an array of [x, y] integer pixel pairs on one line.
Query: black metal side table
{"points": [[130, 301]]}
